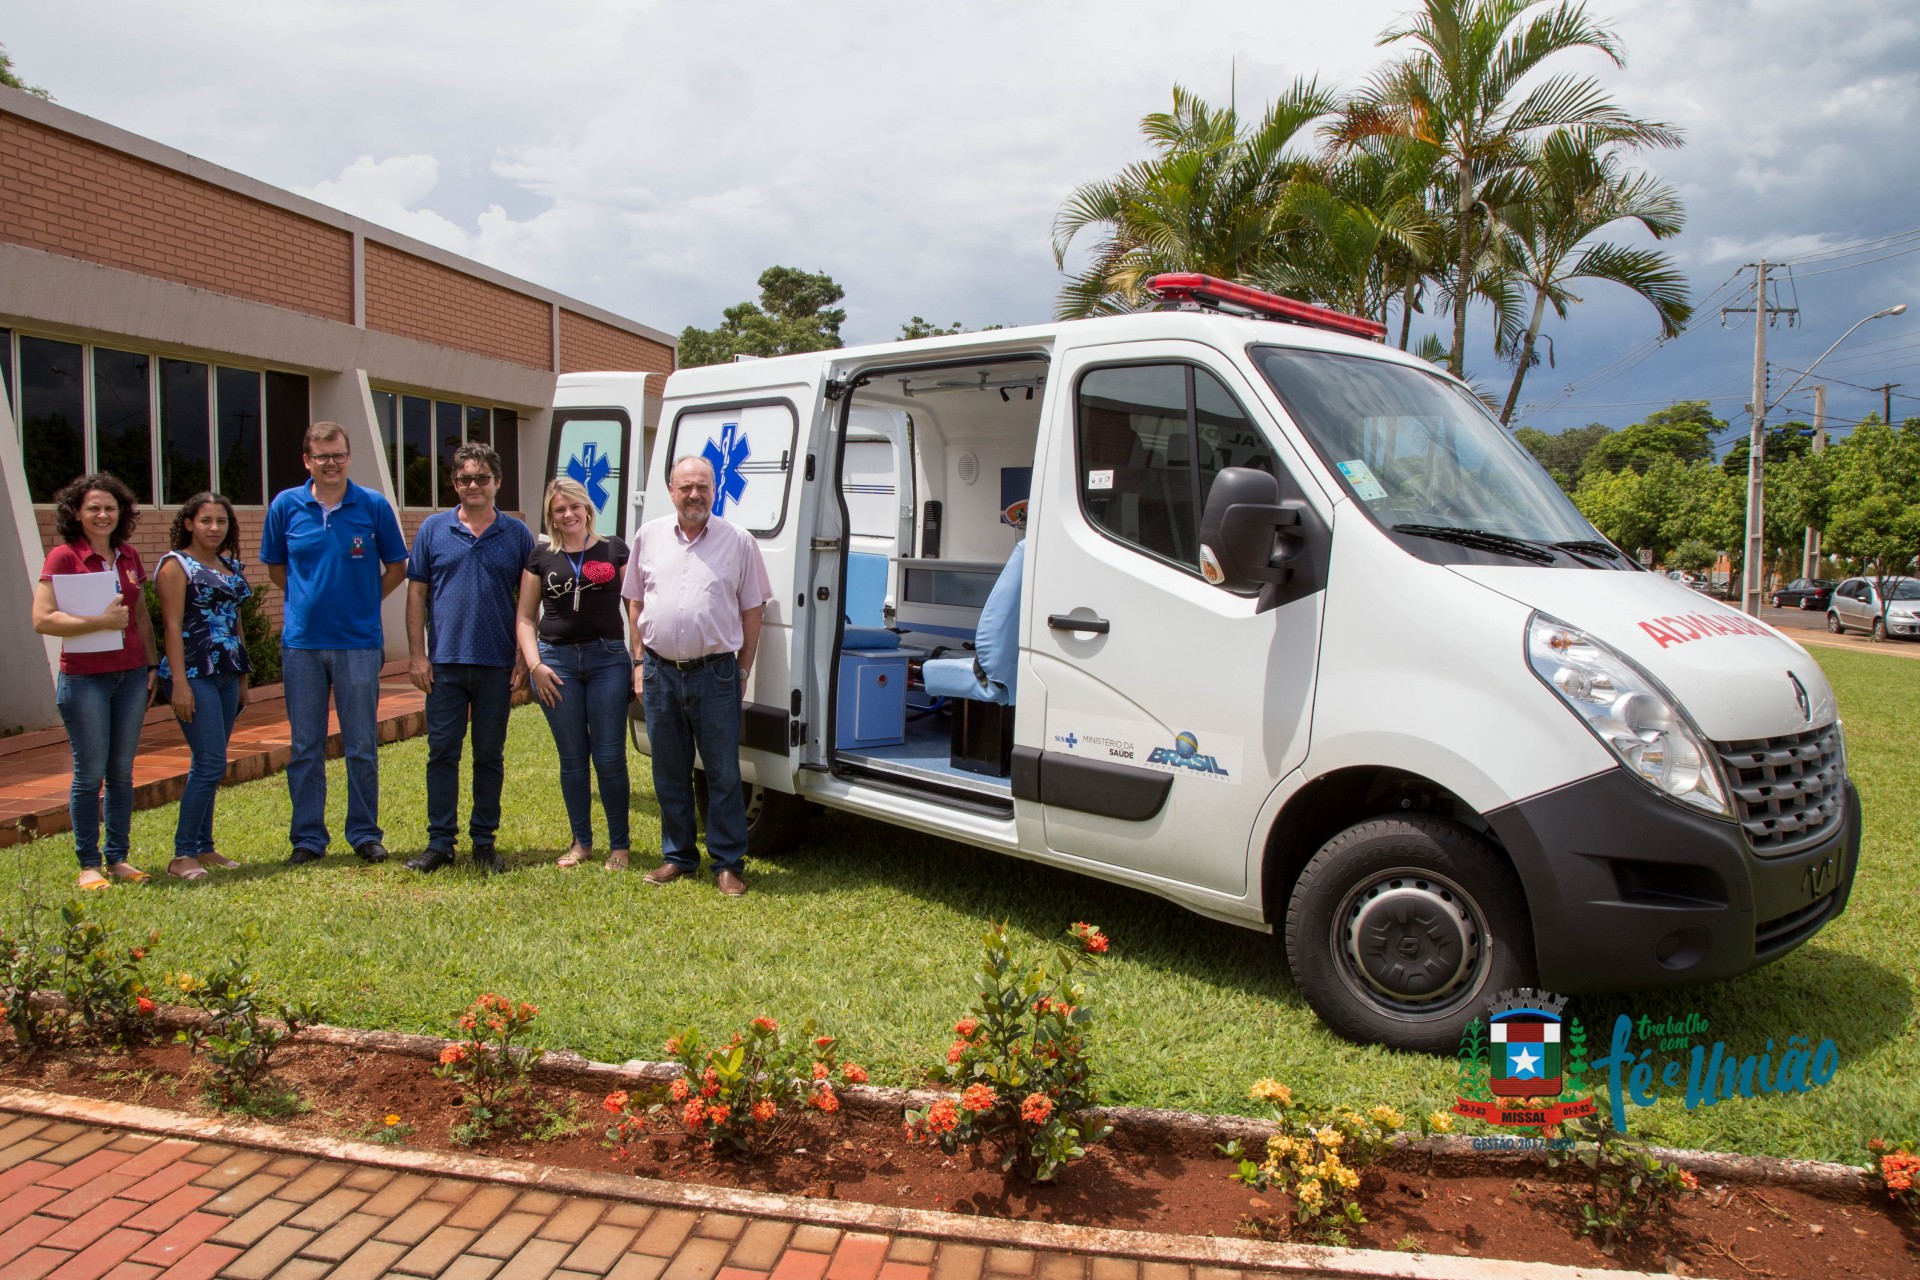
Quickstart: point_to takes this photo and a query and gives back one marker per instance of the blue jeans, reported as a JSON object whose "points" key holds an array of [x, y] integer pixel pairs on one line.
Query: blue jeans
{"points": [[590, 722], [216, 704], [689, 711], [484, 694], [103, 714], [352, 677]]}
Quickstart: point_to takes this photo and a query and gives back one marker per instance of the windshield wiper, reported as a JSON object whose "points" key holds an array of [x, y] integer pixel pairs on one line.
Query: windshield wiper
{"points": [[1481, 540], [1606, 549]]}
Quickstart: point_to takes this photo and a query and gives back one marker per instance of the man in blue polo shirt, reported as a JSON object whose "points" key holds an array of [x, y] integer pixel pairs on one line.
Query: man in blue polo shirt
{"points": [[464, 576], [335, 550]]}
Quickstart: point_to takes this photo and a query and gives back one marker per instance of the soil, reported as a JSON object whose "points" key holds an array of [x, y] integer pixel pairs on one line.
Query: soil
{"points": [[1480, 1206]]}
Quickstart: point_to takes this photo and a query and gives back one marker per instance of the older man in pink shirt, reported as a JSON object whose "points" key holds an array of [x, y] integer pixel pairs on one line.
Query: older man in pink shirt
{"points": [[694, 589]]}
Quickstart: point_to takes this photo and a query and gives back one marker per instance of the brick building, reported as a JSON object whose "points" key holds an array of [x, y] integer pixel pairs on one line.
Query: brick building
{"points": [[180, 325]]}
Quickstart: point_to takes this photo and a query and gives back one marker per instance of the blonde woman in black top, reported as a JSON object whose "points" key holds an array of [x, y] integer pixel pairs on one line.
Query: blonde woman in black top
{"points": [[573, 639]]}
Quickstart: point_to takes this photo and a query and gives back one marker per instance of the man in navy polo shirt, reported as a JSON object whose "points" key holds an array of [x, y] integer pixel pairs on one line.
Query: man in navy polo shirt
{"points": [[463, 580], [335, 550]]}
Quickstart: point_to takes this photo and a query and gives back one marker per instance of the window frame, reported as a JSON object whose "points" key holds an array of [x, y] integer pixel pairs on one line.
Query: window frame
{"points": [[1189, 365], [669, 455]]}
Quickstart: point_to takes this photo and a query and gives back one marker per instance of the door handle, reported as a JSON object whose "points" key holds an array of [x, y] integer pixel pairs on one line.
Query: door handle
{"points": [[1061, 622]]}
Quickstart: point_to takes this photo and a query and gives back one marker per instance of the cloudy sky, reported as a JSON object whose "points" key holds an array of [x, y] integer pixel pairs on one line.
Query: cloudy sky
{"points": [[652, 156]]}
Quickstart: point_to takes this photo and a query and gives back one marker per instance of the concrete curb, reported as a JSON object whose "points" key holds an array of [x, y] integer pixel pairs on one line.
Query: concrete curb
{"points": [[1300, 1260]]}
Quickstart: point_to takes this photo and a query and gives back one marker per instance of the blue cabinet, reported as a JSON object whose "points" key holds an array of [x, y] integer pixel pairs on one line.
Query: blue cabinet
{"points": [[872, 706]]}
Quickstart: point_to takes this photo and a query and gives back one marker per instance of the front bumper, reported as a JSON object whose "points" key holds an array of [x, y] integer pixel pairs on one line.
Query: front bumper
{"points": [[1629, 891]]}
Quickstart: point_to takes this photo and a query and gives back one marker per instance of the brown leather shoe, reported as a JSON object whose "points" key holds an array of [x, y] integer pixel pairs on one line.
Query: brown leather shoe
{"points": [[665, 873], [730, 883]]}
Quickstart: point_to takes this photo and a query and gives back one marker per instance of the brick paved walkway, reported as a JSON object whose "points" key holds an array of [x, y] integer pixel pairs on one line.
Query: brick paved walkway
{"points": [[79, 1202], [36, 771]]}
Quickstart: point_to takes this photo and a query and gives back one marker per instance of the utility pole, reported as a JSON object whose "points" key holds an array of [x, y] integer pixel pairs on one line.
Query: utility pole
{"points": [[1886, 401], [1750, 567], [1810, 559]]}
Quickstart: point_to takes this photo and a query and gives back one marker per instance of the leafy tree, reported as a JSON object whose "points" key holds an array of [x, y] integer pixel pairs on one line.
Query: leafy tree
{"points": [[1460, 90], [921, 328], [12, 80], [1571, 193], [1564, 454], [1209, 201], [1693, 555], [795, 313], [1356, 229], [1783, 441], [1874, 497], [1698, 502], [1621, 505], [1684, 431]]}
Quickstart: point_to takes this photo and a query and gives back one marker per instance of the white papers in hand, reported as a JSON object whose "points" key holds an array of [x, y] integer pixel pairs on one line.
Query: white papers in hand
{"points": [[88, 595]]}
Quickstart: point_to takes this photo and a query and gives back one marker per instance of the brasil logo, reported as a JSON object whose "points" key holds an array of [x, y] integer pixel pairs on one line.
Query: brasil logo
{"points": [[1526, 1065], [1185, 754]]}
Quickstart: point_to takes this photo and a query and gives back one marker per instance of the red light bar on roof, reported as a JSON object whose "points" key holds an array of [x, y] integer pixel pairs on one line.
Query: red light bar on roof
{"points": [[1210, 291]]}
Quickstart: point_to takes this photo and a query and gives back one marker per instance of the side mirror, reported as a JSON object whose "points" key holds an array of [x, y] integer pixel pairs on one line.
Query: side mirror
{"points": [[1237, 530]]}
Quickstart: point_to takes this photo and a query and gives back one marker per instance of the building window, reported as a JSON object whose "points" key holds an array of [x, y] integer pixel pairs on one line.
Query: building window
{"points": [[506, 442], [6, 372], [186, 430], [237, 406], [421, 435], [123, 418], [53, 414], [448, 430], [416, 432], [386, 425], [288, 417]]}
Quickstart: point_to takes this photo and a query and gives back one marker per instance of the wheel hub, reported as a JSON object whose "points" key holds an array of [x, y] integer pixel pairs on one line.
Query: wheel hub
{"points": [[1411, 939]]}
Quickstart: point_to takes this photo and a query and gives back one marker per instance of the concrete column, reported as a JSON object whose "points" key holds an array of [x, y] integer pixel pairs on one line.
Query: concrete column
{"points": [[26, 695]]}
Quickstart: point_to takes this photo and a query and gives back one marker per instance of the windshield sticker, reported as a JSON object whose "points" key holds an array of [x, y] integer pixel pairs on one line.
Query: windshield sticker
{"points": [[1701, 626], [1361, 477], [1099, 480]]}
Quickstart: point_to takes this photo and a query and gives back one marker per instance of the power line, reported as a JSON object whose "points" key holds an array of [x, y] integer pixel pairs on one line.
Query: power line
{"points": [[1852, 247]]}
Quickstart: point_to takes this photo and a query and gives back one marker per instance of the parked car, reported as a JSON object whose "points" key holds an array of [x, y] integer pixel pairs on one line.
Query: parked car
{"points": [[1804, 593], [1857, 604], [1685, 579]]}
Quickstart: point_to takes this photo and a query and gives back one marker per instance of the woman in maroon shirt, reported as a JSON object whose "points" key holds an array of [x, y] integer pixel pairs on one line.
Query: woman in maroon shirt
{"points": [[102, 696]]}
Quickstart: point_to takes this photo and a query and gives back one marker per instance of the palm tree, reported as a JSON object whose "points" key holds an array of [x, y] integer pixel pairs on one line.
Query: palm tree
{"points": [[1209, 201], [1460, 91], [1572, 192], [1364, 230]]}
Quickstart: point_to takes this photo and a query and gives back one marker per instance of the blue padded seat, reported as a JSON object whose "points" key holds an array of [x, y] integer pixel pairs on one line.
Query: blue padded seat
{"points": [[866, 599], [869, 638], [996, 645]]}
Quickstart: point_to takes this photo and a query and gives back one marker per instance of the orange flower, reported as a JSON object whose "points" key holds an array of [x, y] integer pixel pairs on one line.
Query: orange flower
{"points": [[138, 953], [825, 1099], [823, 1042], [468, 1022], [966, 1027], [718, 1114], [819, 1071], [453, 1053], [616, 1101], [853, 1073], [710, 1077], [672, 1047], [1090, 937], [1036, 1108], [943, 1116], [528, 1013], [764, 1110], [956, 1050], [144, 1006], [694, 1115], [979, 1097], [766, 1024], [681, 1090]]}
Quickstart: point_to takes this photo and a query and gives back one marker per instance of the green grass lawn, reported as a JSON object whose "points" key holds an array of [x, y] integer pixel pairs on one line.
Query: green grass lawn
{"points": [[874, 932]]}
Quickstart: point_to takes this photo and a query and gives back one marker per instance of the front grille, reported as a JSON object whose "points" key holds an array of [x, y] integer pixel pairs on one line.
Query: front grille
{"points": [[1786, 790], [1775, 936]]}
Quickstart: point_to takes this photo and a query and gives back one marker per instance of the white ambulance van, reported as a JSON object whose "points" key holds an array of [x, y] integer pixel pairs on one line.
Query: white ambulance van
{"points": [[1232, 603]]}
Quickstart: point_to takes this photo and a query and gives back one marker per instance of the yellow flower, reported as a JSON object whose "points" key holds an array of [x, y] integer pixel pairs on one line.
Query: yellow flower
{"points": [[392, 1120], [1271, 1090], [1330, 1137], [1309, 1195], [1440, 1122], [1386, 1117]]}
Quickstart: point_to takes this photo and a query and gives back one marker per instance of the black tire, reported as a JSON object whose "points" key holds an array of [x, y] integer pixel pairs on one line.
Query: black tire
{"points": [[775, 820], [1777, 604], [1879, 630], [1437, 896], [1833, 623]]}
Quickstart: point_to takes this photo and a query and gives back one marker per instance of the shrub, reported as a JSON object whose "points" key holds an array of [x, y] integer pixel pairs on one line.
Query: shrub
{"points": [[1632, 1188], [747, 1094], [1318, 1163], [489, 1067], [1019, 1059], [238, 1041], [1893, 1165], [106, 997]]}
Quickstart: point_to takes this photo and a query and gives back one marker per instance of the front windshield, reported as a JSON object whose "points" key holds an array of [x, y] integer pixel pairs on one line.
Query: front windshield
{"points": [[1413, 448], [1908, 590]]}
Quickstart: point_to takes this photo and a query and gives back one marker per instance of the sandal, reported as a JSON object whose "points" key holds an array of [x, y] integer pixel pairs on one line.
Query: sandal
{"points": [[127, 873], [616, 861], [218, 862], [191, 870], [572, 858], [98, 880]]}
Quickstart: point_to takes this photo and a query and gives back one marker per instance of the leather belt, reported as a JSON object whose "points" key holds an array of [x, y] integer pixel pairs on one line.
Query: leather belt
{"points": [[691, 664]]}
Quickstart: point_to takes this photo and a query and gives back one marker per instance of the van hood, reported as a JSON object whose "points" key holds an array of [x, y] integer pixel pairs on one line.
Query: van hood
{"points": [[1736, 676]]}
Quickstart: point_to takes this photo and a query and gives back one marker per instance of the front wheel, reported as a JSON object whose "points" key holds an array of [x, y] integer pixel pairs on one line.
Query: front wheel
{"points": [[775, 820], [1401, 930], [1833, 623]]}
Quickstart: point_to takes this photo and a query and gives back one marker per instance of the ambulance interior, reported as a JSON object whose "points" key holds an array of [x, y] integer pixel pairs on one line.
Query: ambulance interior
{"points": [[927, 654]]}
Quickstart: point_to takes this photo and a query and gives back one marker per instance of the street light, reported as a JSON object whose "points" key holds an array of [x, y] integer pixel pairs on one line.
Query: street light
{"points": [[1756, 466]]}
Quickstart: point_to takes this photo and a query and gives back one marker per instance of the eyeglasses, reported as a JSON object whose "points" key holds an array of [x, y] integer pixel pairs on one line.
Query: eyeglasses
{"points": [[468, 480], [328, 459]]}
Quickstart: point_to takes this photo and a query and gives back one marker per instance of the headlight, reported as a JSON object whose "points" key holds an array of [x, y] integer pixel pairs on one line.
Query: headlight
{"points": [[1627, 711]]}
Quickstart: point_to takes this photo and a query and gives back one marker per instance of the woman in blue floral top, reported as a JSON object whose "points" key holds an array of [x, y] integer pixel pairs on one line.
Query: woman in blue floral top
{"points": [[201, 583]]}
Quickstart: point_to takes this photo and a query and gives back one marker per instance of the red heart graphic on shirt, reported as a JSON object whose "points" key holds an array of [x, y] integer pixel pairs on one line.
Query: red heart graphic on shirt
{"points": [[598, 572]]}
